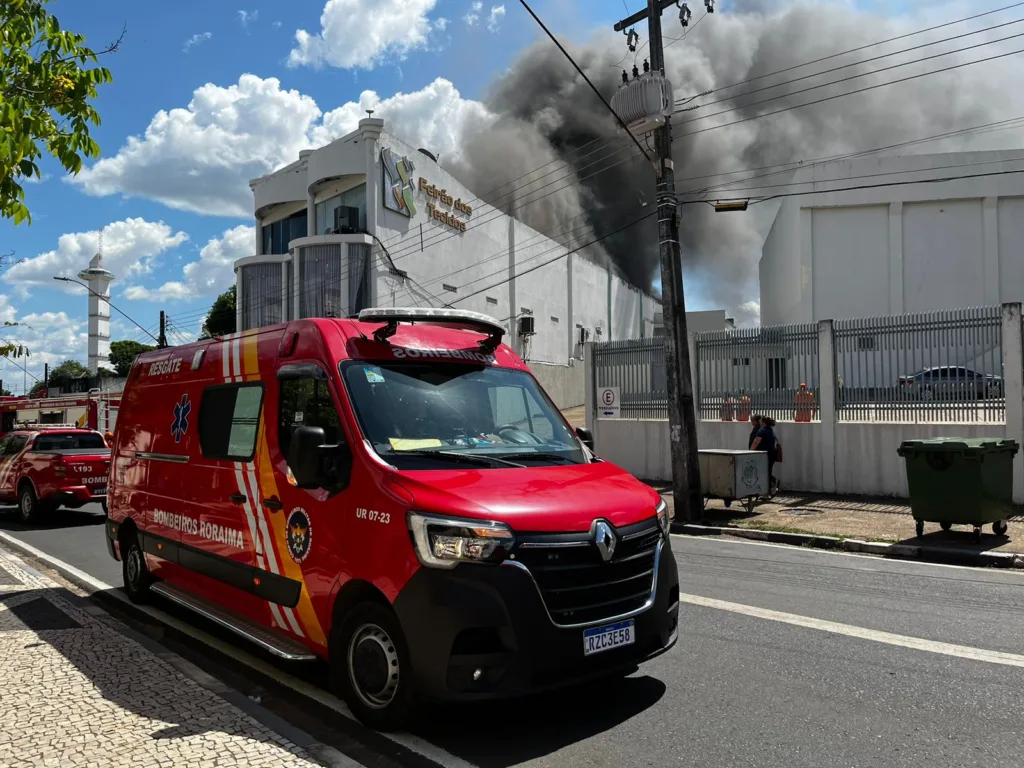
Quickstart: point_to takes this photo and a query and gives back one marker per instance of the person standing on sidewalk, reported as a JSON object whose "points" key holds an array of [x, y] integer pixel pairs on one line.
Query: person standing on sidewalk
{"points": [[766, 441], [755, 426]]}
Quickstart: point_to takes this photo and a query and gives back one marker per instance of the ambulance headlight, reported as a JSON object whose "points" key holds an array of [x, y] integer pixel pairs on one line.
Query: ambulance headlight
{"points": [[443, 542], [664, 518]]}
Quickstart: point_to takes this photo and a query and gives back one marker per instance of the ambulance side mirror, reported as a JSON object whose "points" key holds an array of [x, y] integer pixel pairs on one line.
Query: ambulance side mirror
{"points": [[586, 437], [315, 464]]}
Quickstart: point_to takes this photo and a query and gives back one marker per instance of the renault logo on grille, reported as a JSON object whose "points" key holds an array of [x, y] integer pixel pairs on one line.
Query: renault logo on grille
{"points": [[604, 538]]}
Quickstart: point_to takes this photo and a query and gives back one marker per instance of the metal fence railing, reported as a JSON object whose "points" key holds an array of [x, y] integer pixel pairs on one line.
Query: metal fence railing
{"points": [[934, 367], [758, 370], [637, 368]]}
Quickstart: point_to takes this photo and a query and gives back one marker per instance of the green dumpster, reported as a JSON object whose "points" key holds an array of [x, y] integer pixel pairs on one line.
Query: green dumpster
{"points": [[960, 481]]}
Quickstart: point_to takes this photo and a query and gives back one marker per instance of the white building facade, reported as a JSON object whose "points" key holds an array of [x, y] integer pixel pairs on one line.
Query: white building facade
{"points": [[914, 244], [369, 220]]}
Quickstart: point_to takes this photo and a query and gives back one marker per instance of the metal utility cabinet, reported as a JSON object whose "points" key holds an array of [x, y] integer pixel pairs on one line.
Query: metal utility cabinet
{"points": [[734, 475]]}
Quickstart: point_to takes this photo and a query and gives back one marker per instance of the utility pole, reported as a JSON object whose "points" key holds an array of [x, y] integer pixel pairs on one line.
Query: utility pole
{"points": [[682, 422], [161, 341], [46, 376]]}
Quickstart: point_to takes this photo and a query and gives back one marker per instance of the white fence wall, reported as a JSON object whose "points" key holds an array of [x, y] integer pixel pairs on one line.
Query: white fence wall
{"points": [[826, 456]]}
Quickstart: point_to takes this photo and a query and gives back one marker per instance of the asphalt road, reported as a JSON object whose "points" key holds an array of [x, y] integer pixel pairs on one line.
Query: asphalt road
{"points": [[742, 690]]}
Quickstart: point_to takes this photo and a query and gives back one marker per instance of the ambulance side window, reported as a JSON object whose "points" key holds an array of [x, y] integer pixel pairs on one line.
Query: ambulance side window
{"points": [[306, 402], [229, 420]]}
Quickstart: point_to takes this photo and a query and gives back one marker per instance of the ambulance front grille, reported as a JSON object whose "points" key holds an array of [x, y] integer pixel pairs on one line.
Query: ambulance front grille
{"points": [[578, 587]]}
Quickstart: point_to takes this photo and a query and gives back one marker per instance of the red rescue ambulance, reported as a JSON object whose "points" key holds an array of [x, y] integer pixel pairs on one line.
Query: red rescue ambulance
{"points": [[395, 494]]}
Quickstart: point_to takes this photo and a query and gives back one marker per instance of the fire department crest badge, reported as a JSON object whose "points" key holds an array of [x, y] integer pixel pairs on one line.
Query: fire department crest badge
{"points": [[300, 534]]}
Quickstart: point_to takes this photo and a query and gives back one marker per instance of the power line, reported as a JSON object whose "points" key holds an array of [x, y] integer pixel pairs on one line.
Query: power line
{"points": [[799, 164], [869, 176], [850, 93], [583, 75], [870, 45], [860, 63], [847, 79]]}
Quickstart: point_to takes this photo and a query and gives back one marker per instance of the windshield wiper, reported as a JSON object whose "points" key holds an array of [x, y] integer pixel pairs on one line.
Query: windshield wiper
{"points": [[539, 457], [465, 458]]}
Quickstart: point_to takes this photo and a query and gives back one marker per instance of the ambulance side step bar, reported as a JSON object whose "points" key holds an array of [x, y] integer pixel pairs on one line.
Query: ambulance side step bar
{"points": [[267, 639]]}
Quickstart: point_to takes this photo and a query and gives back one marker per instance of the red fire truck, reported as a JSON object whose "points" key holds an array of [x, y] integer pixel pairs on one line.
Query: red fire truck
{"points": [[94, 410]]}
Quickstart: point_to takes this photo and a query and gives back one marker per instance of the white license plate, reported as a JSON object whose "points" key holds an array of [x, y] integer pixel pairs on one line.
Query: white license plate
{"points": [[607, 637]]}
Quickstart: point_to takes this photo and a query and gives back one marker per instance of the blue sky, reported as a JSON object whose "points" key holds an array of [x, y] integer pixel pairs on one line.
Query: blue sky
{"points": [[207, 95]]}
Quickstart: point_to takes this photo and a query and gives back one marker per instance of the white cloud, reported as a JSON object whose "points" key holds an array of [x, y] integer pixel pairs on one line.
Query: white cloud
{"points": [[50, 337], [364, 33], [276, 24], [495, 17], [435, 117], [440, 23], [196, 39], [211, 275], [200, 158], [247, 17], [473, 14], [130, 249]]}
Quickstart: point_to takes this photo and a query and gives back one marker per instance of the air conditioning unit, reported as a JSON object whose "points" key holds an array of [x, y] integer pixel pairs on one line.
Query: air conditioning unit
{"points": [[526, 326], [584, 335]]}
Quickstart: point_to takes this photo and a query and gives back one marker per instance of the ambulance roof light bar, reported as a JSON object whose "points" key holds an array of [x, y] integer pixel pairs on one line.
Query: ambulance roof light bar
{"points": [[461, 318]]}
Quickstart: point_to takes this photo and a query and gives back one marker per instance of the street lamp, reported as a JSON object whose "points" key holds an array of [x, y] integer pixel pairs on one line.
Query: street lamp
{"points": [[101, 296]]}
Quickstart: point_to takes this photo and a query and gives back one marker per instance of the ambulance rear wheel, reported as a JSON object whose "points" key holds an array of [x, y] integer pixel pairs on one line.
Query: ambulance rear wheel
{"points": [[370, 667], [134, 571]]}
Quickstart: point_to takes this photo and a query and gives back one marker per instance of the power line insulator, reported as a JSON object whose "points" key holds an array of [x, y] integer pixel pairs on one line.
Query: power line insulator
{"points": [[636, 72], [647, 66], [625, 77], [632, 38], [684, 15], [710, 5]]}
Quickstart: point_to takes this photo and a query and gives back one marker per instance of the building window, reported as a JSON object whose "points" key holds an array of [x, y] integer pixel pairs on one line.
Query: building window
{"points": [[491, 300], [554, 319], [449, 288], [741, 361], [342, 214], [276, 236], [229, 418]]}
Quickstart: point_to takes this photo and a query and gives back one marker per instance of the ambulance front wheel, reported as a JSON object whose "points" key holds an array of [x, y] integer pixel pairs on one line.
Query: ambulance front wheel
{"points": [[370, 666], [134, 572]]}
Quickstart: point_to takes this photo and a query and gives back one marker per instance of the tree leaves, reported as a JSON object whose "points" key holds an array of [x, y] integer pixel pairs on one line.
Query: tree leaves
{"points": [[46, 85]]}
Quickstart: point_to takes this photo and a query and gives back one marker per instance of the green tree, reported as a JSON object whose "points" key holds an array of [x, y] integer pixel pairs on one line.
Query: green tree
{"points": [[123, 354], [66, 372], [10, 348], [221, 319], [4, 392], [46, 85]]}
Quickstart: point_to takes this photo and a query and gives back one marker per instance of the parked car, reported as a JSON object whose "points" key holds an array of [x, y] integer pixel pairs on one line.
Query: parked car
{"points": [[952, 382], [43, 469]]}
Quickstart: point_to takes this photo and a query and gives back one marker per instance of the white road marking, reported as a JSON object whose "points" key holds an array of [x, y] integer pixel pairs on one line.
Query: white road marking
{"points": [[726, 539], [903, 641], [407, 740]]}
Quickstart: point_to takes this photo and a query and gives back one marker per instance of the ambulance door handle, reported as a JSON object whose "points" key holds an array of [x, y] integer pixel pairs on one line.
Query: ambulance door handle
{"points": [[238, 498], [273, 505]]}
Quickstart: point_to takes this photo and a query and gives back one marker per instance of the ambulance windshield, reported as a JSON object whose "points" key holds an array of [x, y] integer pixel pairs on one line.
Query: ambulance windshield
{"points": [[420, 415]]}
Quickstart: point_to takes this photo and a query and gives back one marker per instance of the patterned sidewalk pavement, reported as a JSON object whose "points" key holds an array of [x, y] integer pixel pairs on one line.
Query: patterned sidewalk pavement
{"points": [[74, 691]]}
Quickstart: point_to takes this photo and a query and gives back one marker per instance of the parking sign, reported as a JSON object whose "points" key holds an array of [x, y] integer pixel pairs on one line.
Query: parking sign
{"points": [[608, 402]]}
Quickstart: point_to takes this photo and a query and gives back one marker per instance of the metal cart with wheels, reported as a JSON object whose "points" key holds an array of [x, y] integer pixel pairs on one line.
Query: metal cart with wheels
{"points": [[960, 481], [733, 475]]}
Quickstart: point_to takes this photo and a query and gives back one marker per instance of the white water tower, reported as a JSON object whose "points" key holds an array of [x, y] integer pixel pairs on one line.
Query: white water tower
{"points": [[98, 279]]}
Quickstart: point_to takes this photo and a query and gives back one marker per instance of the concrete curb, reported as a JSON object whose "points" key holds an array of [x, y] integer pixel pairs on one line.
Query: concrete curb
{"points": [[903, 551]]}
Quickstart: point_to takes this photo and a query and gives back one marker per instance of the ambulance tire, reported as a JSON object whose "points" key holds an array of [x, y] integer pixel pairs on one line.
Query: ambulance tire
{"points": [[134, 572], [370, 633]]}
